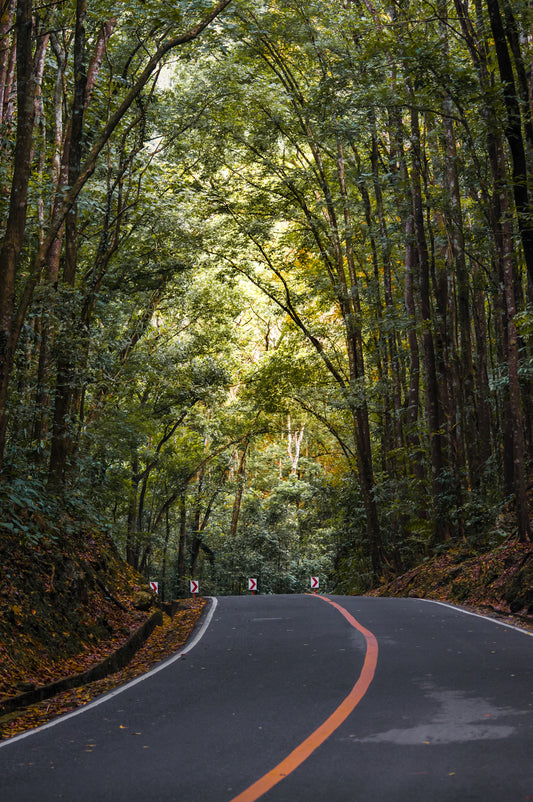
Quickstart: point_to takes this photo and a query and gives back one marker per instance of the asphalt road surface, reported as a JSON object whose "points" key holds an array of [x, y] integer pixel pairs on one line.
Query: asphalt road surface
{"points": [[294, 699]]}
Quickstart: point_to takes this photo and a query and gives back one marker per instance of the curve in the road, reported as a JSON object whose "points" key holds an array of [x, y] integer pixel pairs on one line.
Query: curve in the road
{"points": [[198, 633], [318, 736]]}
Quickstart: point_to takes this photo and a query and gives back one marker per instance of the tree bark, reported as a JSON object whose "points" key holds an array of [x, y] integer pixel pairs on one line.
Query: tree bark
{"points": [[182, 545], [428, 349], [16, 222], [350, 305], [239, 491], [515, 448], [8, 51], [513, 133], [66, 367], [132, 547]]}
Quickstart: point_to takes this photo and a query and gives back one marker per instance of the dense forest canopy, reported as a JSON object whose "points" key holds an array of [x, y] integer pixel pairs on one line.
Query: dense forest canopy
{"points": [[267, 281]]}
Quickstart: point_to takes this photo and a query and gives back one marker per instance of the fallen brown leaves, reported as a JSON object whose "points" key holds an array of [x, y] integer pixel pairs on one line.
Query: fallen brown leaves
{"points": [[498, 583], [164, 642], [38, 668], [66, 602]]}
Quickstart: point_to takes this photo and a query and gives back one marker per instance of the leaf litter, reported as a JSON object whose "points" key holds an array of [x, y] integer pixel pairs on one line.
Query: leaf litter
{"points": [[164, 642]]}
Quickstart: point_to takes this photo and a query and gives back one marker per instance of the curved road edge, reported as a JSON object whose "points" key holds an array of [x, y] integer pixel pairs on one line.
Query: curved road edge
{"points": [[459, 609], [195, 637]]}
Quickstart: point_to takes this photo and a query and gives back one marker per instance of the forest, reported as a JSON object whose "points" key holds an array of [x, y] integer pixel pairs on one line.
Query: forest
{"points": [[266, 284]]}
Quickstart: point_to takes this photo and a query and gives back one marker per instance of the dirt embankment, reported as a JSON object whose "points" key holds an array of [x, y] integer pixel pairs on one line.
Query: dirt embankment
{"points": [[70, 606], [499, 581], [66, 602]]}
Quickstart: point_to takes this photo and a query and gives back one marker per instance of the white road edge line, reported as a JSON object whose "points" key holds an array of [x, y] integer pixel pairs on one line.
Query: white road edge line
{"points": [[478, 615], [101, 699]]}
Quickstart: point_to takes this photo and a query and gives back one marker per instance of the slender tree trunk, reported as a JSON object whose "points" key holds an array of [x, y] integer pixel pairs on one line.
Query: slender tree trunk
{"points": [[387, 288], [182, 545], [239, 491], [382, 358], [513, 133], [294, 444], [66, 367], [165, 557], [481, 45], [350, 305], [197, 516], [428, 348], [515, 408], [132, 546], [412, 404], [519, 468], [8, 50], [466, 398], [16, 222], [484, 415]]}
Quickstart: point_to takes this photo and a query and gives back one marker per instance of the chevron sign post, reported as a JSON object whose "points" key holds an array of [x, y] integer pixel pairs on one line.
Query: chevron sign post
{"points": [[252, 585], [154, 586], [315, 583], [194, 586]]}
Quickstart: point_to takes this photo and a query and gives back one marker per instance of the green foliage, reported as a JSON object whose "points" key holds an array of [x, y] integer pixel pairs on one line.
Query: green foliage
{"points": [[23, 504], [283, 539], [244, 313]]}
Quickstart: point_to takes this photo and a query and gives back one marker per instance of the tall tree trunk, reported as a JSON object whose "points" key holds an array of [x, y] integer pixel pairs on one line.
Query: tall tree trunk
{"points": [[515, 423], [197, 517], [8, 49], [519, 466], [412, 403], [132, 546], [387, 287], [66, 366], [428, 349], [18, 204], [480, 46], [182, 545], [484, 416], [466, 399], [350, 305], [239, 490], [513, 133]]}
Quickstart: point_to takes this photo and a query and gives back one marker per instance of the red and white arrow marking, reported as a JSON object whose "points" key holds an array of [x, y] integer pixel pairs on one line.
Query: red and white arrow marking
{"points": [[194, 585], [154, 586], [315, 583], [252, 584]]}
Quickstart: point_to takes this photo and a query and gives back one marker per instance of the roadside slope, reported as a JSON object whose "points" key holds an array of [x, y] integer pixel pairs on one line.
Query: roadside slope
{"points": [[499, 581]]}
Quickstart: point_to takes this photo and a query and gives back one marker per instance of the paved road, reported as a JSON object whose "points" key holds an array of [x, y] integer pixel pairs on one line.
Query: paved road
{"points": [[447, 716]]}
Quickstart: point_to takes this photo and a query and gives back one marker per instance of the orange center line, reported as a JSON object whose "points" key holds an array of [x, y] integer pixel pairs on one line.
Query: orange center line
{"points": [[307, 747]]}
